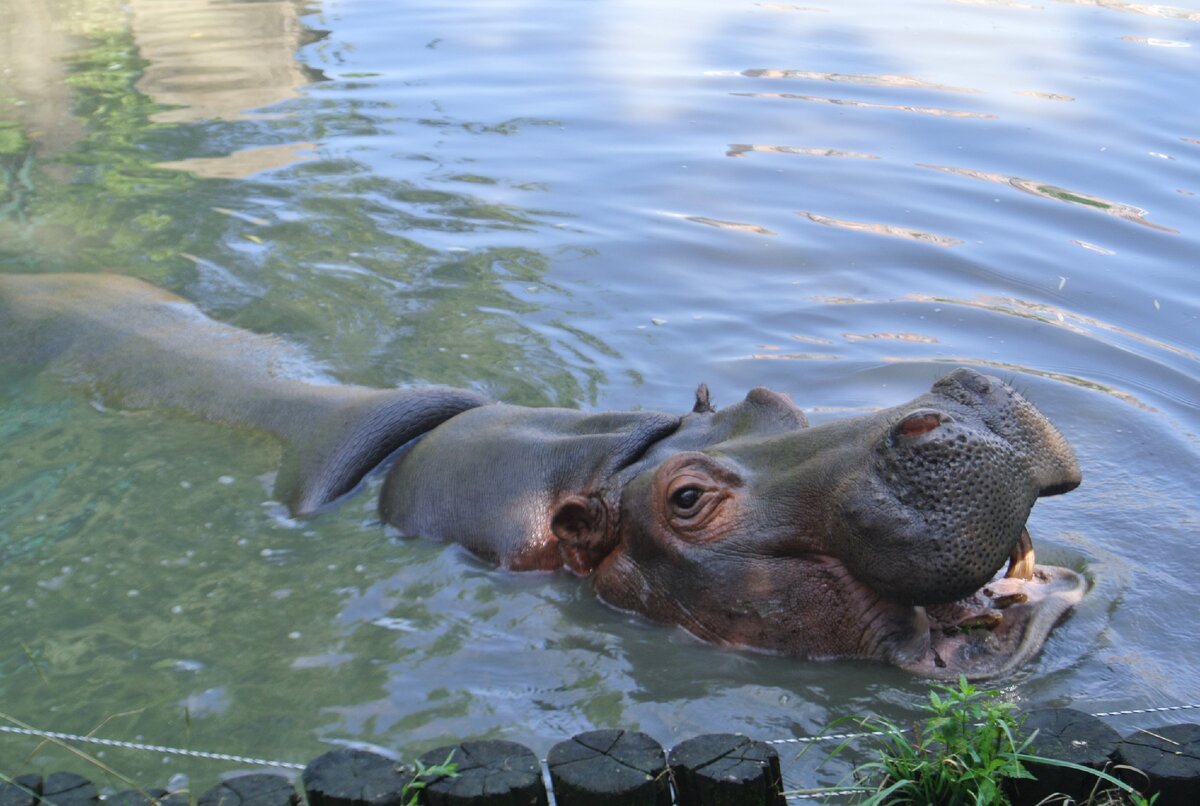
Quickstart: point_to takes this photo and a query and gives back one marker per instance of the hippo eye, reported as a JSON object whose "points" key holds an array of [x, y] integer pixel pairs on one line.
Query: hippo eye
{"points": [[685, 499]]}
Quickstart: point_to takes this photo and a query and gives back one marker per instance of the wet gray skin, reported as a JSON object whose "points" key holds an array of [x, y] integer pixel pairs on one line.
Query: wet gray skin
{"points": [[873, 537]]}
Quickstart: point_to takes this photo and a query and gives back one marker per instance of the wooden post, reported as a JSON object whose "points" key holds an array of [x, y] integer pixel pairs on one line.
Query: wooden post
{"points": [[147, 797], [609, 768], [1168, 759], [490, 773], [69, 789], [23, 791], [1065, 734], [259, 789], [346, 777], [726, 769]]}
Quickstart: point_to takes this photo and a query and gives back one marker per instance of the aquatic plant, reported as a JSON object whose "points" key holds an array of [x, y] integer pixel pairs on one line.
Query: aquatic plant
{"points": [[968, 750], [423, 775]]}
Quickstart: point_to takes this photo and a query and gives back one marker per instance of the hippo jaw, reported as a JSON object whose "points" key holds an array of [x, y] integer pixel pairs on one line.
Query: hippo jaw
{"points": [[997, 628], [966, 468], [879, 537]]}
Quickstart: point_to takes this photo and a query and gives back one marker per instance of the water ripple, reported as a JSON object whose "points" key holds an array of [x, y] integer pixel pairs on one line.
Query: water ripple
{"points": [[920, 110], [244, 163], [739, 149], [910, 337], [1002, 3], [1010, 366], [1046, 96], [866, 79], [1078, 323], [216, 61], [881, 229], [1033, 187], [1159, 43], [1093, 247], [1166, 12], [787, 7], [737, 226]]}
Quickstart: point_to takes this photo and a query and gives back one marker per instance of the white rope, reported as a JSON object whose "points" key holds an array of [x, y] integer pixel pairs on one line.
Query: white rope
{"points": [[833, 737], [152, 748], [1163, 709]]}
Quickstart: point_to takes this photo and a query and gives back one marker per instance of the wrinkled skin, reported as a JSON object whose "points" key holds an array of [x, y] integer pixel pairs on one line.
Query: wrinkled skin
{"points": [[876, 537]]}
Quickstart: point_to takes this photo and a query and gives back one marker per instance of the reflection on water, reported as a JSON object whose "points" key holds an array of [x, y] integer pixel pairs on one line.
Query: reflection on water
{"points": [[244, 163], [881, 229], [1001, 3], [1158, 43], [771, 356], [1094, 247], [1062, 377], [787, 7], [1050, 314], [730, 225], [911, 337], [33, 90], [1048, 96], [920, 110], [1116, 209], [214, 59], [1144, 9], [905, 82], [739, 149]]}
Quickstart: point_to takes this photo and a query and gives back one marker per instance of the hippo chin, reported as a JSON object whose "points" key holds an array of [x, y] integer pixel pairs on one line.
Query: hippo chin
{"points": [[879, 537]]}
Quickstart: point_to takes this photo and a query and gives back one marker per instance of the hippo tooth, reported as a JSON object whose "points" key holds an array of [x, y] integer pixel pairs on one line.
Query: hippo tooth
{"points": [[1021, 562], [1002, 602], [987, 621]]}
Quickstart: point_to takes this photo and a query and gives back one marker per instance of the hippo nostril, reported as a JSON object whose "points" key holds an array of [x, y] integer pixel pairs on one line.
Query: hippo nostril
{"points": [[919, 422], [969, 379], [978, 383]]}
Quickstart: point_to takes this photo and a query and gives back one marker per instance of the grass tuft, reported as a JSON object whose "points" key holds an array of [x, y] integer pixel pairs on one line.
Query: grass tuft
{"points": [[965, 752]]}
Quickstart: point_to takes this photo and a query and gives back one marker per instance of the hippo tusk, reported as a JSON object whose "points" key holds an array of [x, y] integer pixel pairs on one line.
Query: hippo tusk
{"points": [[1021, 562]]}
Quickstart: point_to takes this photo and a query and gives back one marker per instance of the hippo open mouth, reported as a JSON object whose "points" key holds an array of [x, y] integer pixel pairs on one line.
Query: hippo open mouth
{"points": [[941, 542], [1000, 626]]}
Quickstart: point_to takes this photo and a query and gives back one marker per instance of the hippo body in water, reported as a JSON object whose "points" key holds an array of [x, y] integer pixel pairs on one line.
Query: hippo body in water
{"points": [[876, 537]]}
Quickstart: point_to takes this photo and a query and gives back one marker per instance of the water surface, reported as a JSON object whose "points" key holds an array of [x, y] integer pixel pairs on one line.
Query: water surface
{"points": [[595, 205]]}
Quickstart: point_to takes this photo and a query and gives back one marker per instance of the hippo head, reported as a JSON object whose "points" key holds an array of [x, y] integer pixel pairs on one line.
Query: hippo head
{"points": [[877, 537]]}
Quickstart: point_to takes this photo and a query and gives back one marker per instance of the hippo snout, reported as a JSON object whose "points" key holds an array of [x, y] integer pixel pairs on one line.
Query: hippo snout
{"points": [[1051, 461]]}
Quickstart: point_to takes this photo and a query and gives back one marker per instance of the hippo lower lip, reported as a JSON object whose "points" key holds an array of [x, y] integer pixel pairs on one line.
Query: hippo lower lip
{"points": [[1002, 624]]}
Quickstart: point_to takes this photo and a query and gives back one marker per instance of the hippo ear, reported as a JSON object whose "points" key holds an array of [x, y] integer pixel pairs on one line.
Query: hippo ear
{"points": [[581, 525]]}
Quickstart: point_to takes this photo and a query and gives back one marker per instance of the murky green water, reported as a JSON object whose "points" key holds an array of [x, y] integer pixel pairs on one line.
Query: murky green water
{"points": [[582, 204]]}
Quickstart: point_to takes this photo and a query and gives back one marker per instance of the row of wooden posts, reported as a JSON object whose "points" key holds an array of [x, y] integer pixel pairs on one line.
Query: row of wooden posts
{"points": [[617, 767]]}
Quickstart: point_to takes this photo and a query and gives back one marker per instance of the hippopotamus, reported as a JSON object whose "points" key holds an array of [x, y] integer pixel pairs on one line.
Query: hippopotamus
{"points": [[897, 536]]}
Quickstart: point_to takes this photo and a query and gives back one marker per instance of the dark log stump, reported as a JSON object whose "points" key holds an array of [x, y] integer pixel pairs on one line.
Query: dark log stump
{"points": [[23, 791], [260, 789], [490, 773], [1169, 759], [133, 797], [726, 769], [347, 777], [1065, 734], [617, 767], [69, 789]]}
